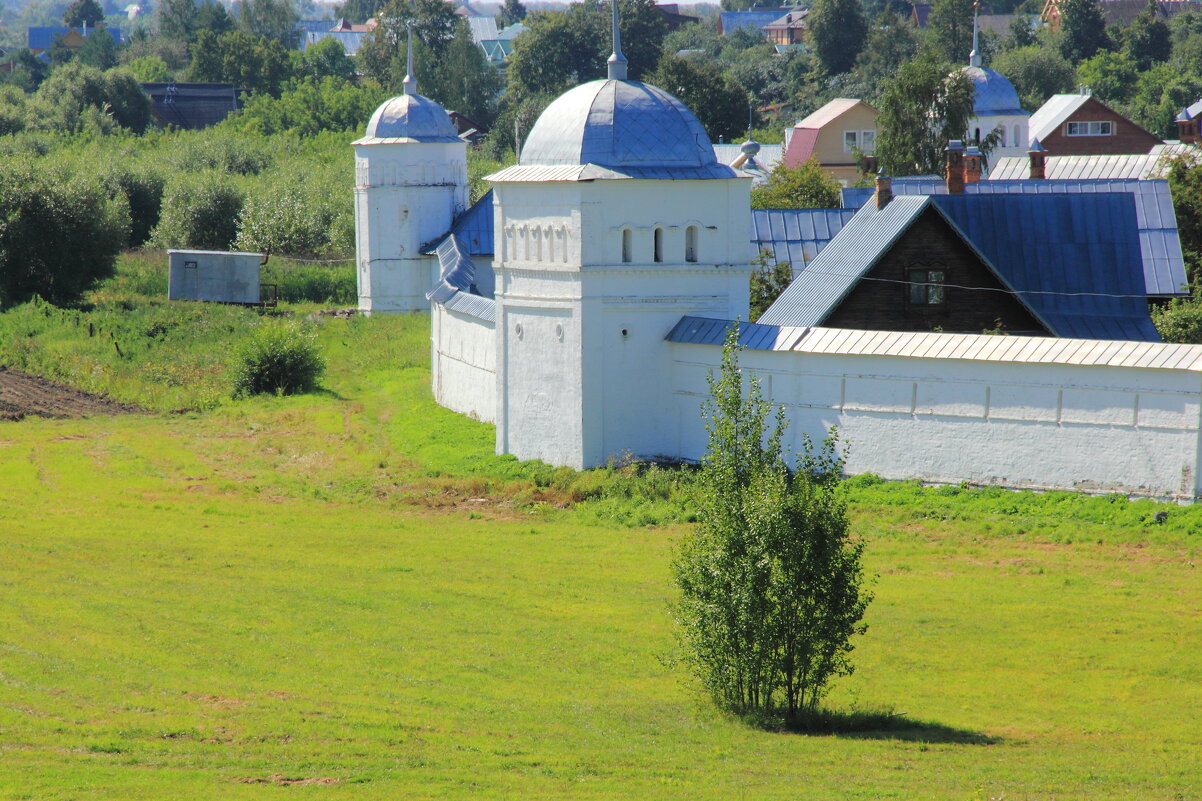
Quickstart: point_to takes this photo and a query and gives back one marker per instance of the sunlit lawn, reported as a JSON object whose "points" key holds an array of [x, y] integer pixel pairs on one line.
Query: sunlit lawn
{"points": [[332, 590]]}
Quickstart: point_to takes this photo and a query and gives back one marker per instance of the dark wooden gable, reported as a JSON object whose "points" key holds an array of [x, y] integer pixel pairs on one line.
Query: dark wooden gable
{"points": [[930, 243]]}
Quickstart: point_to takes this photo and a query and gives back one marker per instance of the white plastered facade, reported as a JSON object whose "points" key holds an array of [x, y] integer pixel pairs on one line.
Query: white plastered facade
{"points": [[407, 194]]}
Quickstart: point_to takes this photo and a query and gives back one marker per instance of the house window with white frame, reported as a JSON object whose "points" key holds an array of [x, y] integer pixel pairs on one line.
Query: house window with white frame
{"points": [[867, 141], [1093, 128], [851, 141]]}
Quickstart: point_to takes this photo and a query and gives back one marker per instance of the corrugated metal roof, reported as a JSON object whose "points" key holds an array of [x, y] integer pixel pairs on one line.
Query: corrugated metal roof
{"points": [[1121, 167], [796, 236], [42, 37], [971, 347], [1160, 244], [1072, 267], [351, 41], [475, 227], [802, 142], [593, 172], [754, 20], [512, 32], [829, 113], [1054, 111], [456, 287], [811, 297], [482, 28]]}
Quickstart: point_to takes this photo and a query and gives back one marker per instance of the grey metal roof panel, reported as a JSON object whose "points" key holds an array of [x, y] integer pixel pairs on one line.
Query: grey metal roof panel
{"points": [[473, 305], [811, 297], [475, 227], [972, 347], [796, 236]]}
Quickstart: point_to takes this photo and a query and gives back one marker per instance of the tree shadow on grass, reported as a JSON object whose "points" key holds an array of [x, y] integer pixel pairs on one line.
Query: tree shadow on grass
{"points": [[883, 725]]}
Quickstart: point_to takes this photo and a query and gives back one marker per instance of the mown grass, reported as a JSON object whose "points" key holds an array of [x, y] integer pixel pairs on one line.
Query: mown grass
{"points": [[351, 589]]}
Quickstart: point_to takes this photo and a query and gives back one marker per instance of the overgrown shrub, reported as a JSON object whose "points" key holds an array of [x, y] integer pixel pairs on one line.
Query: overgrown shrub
{"points": [[280, 357], [199, 211], [143, 190], [1180, 321], [208, 150], [300, 214], [58, 233]]}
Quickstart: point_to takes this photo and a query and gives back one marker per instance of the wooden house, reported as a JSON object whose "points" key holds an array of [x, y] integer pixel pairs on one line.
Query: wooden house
{"points": [[836, 134], [1082, 125]]}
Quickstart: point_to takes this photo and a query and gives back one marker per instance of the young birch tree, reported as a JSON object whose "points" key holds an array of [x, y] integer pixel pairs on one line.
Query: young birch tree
{"points": [[771, 582]]}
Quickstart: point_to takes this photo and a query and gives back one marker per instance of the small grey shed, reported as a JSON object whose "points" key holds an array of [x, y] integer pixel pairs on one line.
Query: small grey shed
{"points": [[214, 275]]}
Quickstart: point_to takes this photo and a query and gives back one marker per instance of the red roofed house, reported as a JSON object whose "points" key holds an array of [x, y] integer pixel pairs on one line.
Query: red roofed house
{"points": [[836, 134]]}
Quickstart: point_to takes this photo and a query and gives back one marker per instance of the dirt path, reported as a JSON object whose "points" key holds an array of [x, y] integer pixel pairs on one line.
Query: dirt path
{"points": [[22, 394]]}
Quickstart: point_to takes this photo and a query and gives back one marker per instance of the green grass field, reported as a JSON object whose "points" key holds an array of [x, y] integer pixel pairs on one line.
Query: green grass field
{"points": [[348, 595]]}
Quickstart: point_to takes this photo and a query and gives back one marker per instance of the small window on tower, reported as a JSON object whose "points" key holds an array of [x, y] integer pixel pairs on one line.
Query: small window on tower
{"points": [[926, 287], [690, 243], [659, 244], [627, 245]]}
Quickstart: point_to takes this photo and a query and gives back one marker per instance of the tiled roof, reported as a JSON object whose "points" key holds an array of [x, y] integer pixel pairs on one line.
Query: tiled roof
{"points": [[1160, 244], [1075, 264], [968, 347]]}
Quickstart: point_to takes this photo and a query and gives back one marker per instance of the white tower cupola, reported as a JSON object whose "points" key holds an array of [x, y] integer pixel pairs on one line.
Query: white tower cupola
{"points": [[410, 184]]}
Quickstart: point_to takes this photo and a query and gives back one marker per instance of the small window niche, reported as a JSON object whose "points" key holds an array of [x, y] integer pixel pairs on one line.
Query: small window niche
{"points": [[627, 245], [927, 287], [690, 244], [659, 245]]}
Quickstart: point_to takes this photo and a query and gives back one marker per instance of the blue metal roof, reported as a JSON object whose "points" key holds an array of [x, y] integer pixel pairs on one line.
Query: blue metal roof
{"points": [[753, 20], [474, 228], [412, 117], [1071, 259], [42, 37], [796, 236], [1160, 244], [995, 96], [627, 126], [456, 287]]}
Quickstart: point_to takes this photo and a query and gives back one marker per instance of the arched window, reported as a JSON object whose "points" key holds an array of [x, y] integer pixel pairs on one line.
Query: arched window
{"points": [[627, 245], [1018, 136], [977, 135], [1001, 142], [690, 243], [659, 244]]}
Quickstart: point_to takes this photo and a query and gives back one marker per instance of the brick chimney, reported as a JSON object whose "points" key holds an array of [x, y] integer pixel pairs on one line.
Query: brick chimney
{"points": [[884, 189], [1037, 153], [955, 167], [972, 165], [1187, 128]]}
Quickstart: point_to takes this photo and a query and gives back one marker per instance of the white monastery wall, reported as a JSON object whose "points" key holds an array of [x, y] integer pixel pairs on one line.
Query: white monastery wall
{"points": [[464, 363], [1038, 426]]}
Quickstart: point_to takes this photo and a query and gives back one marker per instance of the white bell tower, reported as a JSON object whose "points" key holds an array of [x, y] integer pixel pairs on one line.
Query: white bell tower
{"points": [[410, 184]]}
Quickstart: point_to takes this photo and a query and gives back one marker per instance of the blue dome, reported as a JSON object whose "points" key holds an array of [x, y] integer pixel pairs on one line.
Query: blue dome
{"points": [[623, 125], [995, 95], [412, 117]]}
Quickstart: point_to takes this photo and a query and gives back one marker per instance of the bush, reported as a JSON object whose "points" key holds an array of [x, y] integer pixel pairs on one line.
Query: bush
{"points": [[143, 191], [770, 580], [199, 211], [207, 150], [1180, 321], [280, 357], [299, 214], [58, 234]]}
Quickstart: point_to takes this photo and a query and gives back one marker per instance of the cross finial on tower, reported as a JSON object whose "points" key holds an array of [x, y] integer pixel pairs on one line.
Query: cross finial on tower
{"points": [[409, 85], [974, 58], [617, 61]]}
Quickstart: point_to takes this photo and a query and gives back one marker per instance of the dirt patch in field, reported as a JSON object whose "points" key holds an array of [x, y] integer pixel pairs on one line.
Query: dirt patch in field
{"points": [[280, 780], [24, 395]]}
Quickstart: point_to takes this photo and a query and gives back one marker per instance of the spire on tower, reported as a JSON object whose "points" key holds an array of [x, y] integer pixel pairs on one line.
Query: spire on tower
{"points": [[974, 58], [409, 85], [617, 61]]}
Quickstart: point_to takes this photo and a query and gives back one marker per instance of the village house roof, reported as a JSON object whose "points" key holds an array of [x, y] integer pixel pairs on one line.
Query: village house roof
{"points": [[804, 136], [796, 236], [1133, 166], [1071, 259], [753, 19], [42, 37], [1155, 220]]}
